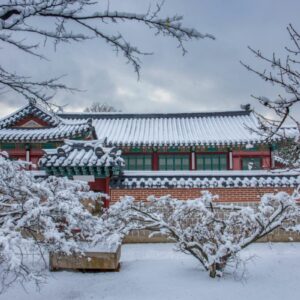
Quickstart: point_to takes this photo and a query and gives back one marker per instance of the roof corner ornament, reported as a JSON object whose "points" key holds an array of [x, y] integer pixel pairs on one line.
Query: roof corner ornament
{"points": [[61, 152], [90, 121], [99, 152], [246, 107], [32, 101]]}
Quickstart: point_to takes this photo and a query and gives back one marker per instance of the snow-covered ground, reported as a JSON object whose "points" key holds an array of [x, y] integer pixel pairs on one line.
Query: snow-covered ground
{"points": [[154, 271]]}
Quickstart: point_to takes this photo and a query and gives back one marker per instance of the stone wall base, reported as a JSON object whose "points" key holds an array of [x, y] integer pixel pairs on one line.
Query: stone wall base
{"points": [[142, 236]]}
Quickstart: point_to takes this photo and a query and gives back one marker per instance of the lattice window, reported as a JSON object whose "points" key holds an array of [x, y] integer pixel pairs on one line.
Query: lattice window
{"points": [[8, 146], [138, 162], [174, 162], [211, 162]]}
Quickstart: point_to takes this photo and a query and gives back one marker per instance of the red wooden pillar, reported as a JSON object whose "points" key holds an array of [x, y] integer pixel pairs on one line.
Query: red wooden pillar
{"points": [[107, 191], [155, 165], [101, 185]]}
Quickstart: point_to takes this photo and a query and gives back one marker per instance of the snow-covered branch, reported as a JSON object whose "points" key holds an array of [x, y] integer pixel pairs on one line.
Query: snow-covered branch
{"points": [[284, 74], [38, 216], [76, 21], [213, 233]]}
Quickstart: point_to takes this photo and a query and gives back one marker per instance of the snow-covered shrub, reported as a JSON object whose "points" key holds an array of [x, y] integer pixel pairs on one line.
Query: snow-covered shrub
{"points": [[213, 233], [38, 216]]}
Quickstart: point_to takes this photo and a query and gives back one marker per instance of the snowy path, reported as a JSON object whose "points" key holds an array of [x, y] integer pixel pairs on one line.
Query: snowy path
{"points": [[154, 271]]}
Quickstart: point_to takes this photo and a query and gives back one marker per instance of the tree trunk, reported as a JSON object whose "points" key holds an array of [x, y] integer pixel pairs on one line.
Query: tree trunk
{"points": [[216, 269], [213, 270]]}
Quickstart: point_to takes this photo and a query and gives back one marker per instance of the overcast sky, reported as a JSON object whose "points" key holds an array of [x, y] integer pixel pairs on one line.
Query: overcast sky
{"points": [[208, 78]]}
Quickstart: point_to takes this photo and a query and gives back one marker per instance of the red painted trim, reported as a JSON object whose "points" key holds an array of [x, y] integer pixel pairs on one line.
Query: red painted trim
{"points": [[31, 118], [16, 152], [106, 201], [37, 152], [174, 153], [211, 153], [237, 157], [155, 161], [250, 154]]}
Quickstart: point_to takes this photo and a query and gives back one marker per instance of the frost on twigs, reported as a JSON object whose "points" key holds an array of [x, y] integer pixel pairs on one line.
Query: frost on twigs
{"points": [[38, 217], [21, 22], [213, 233], [281, 121]]}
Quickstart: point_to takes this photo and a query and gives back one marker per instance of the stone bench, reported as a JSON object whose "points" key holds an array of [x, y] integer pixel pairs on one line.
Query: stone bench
{"points": [[99, 259]]}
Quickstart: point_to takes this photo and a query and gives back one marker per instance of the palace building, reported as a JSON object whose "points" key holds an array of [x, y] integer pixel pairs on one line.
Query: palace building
{"points": [[139, 154]]}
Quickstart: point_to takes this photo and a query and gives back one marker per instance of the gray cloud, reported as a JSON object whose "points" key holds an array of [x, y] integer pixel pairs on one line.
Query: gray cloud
{"points": [[209, 77]]}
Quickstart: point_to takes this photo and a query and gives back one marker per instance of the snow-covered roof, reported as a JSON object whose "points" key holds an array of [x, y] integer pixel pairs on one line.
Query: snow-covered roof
{"points": [[214, 128], [206, 179], [60, 132], [58, 128], [82, 153], [35, 109], [147, 129]]}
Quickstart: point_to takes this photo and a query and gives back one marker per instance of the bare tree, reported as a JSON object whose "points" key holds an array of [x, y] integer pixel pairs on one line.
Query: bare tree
{"points": [[75, 21], [285, 74], [101, 107]]}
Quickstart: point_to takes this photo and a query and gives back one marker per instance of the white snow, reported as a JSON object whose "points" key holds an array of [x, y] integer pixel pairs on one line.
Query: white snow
{"points": [[142, 173], [155, 271], [169, 129], [82, 153], [206, 179]]}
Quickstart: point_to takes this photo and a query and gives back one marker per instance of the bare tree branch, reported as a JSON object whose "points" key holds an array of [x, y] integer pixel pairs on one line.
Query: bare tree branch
{"points": [[76, 21], [285, 74]]}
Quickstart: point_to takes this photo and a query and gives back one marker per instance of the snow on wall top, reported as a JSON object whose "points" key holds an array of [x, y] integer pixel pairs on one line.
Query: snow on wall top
{"points": [[82, 153], [58, 129], [202, 179], [215, 128]]}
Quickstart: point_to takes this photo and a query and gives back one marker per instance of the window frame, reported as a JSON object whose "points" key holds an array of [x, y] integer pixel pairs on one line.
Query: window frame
{"points": [[135, 157], [251, 158], [211, 156], [174, 159]]}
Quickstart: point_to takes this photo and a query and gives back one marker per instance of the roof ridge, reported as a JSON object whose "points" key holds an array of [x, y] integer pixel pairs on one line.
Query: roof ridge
{"points": [[154, 115]]}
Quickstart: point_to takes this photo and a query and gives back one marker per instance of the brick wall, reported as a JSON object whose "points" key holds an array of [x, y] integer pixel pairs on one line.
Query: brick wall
{"points": [[242, 194]]}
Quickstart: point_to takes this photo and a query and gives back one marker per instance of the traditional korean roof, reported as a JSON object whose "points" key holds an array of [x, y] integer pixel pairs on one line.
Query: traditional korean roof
{"points": [[56, 129], [34, 109], [82, 154], [123, 129], [206, 179], [60, 132], [180, 129]]}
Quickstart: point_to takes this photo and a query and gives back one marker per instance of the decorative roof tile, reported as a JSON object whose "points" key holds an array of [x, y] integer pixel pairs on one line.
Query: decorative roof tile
{"points": [[82, 153], [204, 179]]}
